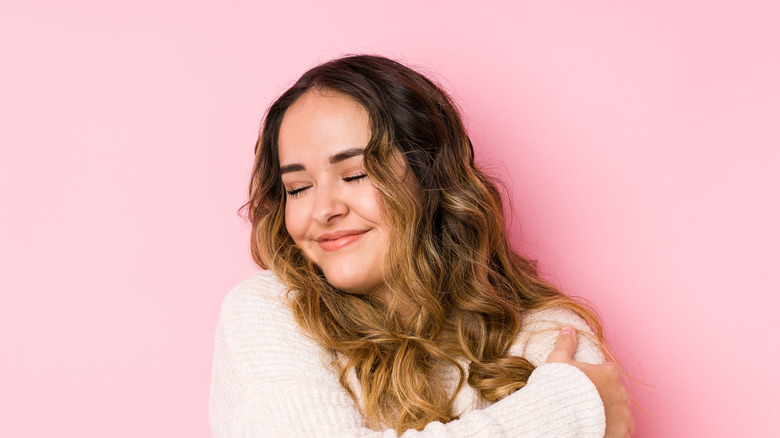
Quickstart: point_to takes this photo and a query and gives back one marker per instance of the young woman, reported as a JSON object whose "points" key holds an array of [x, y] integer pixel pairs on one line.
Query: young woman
{"points": [[392, 303]]}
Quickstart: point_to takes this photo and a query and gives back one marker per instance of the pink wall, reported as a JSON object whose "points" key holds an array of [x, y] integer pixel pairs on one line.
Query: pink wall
{"points": [[640, 142]]}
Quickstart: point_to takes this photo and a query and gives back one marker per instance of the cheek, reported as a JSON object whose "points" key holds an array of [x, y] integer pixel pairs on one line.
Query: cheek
{"points": [[293, 223], [368, 204]]}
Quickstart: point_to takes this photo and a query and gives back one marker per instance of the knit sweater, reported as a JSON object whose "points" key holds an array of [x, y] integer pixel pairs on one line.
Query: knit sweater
{"points": [[271, 380]]}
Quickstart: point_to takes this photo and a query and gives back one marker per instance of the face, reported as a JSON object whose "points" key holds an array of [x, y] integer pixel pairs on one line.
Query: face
{"points": [[332, 211]]}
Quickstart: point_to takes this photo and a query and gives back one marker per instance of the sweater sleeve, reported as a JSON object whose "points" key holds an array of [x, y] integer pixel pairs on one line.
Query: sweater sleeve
{"points": [[540, 332], [270, 380]]}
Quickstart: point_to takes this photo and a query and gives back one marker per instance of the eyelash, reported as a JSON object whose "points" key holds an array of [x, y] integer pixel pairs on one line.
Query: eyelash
{"points": [[355, 177], [294, 193]]}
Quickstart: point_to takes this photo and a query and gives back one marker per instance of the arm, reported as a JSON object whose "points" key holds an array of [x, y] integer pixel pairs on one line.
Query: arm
{"points": [[270, 380], [606, 377], [576, 346]]}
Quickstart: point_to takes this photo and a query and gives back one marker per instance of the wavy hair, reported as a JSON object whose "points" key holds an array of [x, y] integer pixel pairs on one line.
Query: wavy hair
{"points": [[448, 254]]}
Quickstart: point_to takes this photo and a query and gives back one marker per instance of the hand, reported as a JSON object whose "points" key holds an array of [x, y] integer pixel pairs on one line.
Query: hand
{"points": [[606, 377]]}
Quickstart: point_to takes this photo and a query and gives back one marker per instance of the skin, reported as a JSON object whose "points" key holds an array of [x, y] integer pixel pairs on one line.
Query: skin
{"points": [[332, 210]]}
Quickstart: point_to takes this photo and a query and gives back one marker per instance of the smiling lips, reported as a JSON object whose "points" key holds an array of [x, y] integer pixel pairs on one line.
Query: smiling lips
{"points": [[335, 241]]}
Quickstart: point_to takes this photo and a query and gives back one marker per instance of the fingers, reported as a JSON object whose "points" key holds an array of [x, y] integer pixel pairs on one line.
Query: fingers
{"points": [[620, 423], [615, 396], [565, 346]]}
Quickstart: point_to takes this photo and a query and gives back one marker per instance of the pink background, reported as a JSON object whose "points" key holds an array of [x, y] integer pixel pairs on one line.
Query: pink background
{"points": [[640, 142]]}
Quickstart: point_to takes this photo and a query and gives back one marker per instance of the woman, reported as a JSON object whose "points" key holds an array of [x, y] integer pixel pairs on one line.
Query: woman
{"points": [[392, 302]]}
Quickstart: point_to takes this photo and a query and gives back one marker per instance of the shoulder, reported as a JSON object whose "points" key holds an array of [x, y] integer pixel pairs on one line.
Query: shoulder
{"points": [[259, 290], [254, 308], [257, 325], [267, 373], [258, 304], [540, 330]]}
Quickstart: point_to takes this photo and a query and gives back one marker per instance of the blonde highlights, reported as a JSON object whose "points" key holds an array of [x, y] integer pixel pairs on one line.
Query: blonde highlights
{"points": [[448, 259]]}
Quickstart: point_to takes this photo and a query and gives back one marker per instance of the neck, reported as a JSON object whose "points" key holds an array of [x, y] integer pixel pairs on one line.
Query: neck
{"points": [[402, 305]]}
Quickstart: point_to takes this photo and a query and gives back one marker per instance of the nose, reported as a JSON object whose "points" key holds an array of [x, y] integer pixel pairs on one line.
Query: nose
{"points": [[328, 205]]}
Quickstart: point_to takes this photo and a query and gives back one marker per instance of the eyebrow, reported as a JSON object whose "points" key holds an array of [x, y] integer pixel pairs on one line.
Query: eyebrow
{"points": [[337, 158]]}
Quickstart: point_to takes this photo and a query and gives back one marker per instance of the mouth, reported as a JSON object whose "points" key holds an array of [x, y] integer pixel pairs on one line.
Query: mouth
{"points": [[335, 241]]}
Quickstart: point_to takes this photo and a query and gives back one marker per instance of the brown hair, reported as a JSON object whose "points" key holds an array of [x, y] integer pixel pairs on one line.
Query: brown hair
{"points": [[448, 253]]}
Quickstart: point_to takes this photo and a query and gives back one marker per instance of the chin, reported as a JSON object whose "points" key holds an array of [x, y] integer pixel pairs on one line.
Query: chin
{"points": [[355, 286]]}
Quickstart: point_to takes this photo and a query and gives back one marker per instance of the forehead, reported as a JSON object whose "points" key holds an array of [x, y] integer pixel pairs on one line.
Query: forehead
{"points": [[322, 122]]}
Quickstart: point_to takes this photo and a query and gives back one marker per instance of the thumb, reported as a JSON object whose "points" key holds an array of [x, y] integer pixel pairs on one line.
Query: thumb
{"points": [[565, 346]]}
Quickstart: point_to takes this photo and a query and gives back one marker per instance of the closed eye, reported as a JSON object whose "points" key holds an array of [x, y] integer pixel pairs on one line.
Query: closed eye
{"points": [[355, 177], [294, 193]]}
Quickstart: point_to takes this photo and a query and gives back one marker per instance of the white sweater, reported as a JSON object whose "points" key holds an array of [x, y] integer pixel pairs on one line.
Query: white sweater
{"points": [[271, 380]]}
